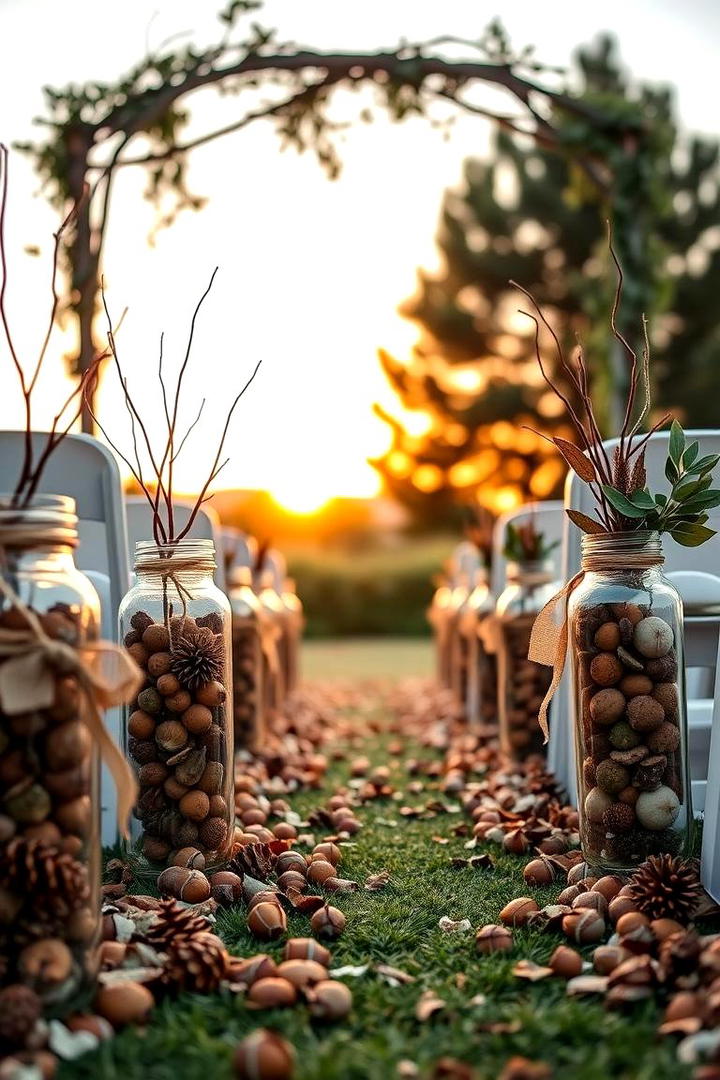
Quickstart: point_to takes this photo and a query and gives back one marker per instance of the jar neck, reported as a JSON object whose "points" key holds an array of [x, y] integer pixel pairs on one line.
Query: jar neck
{"points": [[186, 561], [531, 573], [43, 533], [622, 551]]}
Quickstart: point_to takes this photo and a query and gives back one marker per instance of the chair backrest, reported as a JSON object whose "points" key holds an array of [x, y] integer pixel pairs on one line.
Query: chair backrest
{"points": [[86, 470], [710, 857], [463, 562], [549, 521], [206, 526]]}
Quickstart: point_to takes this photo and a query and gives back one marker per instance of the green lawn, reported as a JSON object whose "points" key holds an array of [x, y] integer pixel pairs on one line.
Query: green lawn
{"points": [[342, 659], [192, 1038]]}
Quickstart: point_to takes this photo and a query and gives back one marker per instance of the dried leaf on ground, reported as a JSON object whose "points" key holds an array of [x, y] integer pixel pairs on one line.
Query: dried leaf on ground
{"points": [[394, 976], [376, 882], [428, 1004], [587, 984], [454, 926], [528, 969]]}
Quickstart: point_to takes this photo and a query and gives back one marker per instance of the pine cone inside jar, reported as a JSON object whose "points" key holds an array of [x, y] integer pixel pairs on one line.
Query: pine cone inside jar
{"points": [[56, 882], [198, 656], [198, 964], [174, 923], [20, 1009], [667, 887]]}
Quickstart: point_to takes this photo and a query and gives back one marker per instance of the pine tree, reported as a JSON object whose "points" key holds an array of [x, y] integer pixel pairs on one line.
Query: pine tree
{"points": [[518, 217]]}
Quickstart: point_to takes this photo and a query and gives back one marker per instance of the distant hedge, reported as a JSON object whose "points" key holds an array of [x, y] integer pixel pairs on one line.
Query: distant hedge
{"points": [[362, 593]]}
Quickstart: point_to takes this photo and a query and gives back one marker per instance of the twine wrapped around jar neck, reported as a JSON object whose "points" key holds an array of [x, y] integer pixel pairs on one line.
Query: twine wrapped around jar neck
{"points": [[175, 561], [48, 522], [602, 553]]}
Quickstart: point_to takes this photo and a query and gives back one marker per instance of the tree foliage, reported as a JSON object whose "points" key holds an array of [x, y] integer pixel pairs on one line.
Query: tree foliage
{"points": [[528, 215]]}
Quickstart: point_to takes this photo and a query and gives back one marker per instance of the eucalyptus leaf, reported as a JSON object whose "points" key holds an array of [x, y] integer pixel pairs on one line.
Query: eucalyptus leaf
{"points": [[621, 503], [691, 535], [642, 499], [691, 452], [676, 443], [671, 472], [705, 464], [704, 500]]}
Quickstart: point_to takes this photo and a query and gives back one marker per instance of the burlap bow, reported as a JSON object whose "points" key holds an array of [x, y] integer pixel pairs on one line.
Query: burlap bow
{"points": [[105, 673]]}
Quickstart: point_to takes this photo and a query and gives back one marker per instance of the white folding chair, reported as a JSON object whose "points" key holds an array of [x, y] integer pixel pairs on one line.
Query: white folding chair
{"points": [[702, 623], [549, 521], [463, 563], [710, 855], [206, 526], [86, 470]]}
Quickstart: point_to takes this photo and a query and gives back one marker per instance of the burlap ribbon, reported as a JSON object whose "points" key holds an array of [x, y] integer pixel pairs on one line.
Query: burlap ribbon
{"points": [[105, 673], [549, 637]]}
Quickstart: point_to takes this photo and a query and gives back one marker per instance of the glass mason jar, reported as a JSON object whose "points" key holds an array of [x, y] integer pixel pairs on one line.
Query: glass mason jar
{"points": [[293, 630], [178, 732], [458, 598], [626, 644], [473, 681], [274, 618], [522, 684], [438, 615], [50, 868], [247, 660]]}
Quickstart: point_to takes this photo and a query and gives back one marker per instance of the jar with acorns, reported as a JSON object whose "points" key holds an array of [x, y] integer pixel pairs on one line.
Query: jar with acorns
{"points": [[521, 683], [625, 625], [176, 624], [473, 667], [49, 760], [294, 624], [247, 630], [274, 619]]}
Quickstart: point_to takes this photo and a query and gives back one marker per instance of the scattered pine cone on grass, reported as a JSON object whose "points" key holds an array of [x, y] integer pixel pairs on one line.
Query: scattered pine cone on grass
{"points": [[197, 964], [667, 887], [198, 656], [257, 860], [174, 923]]}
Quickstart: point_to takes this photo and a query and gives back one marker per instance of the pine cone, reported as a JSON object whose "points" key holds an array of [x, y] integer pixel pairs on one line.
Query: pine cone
{"points": [[20, 1009], [257, 860], [198, 964], [54, 880], [666, 887], [173, 924], [198, 656]]}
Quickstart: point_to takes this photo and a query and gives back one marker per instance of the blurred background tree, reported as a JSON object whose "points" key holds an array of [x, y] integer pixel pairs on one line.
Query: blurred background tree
{"points": [[523, 215]]}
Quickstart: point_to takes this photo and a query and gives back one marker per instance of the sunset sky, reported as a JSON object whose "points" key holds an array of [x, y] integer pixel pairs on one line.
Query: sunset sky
{"points": [[311, 271]]}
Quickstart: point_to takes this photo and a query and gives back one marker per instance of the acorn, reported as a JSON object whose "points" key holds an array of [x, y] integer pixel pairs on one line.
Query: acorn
{"points": [[302, 973], [141, 725], [67, 745], [653, 637], [568, 895], [45, 963], [307, 949], [292, 881], [539, 872], [154, 848], [30, 805], [171, 736], [607, 957], [619, 818], [493, 938], [159, 664], [584, 927], [264, 1055], [611, 777], [607, 637], [267, 921], [197, 719], [139, 653], [630, 921], [211, 694], [153, 774], [328, 922], [269, 896], [664, 928], [591, 901], [156, 638], [174, 789], [284, 831], [635, 684], [149, 700], [606, 669], [248, 969], [272, 993], [171, 880], [608, 886], [607, 706], [226, 887], [620, 905], [195, 889], [645, 713], [657, 810], [291, 860], [329, 1000], [329, 851], [213, 833], [211, 781], [319, 871], [518, 911], [596, 803], [665, 739], [125, 1003], [179, 702], [566, 962], [168, 685], [195, 805]]}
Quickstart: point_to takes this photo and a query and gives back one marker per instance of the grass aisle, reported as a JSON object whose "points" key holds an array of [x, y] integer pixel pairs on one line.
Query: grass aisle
{"points": [[192, 1037]]}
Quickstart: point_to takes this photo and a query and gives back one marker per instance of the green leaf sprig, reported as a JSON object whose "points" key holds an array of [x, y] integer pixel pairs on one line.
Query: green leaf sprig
{"points": [[619, 486], [523, 543], [683, 512]]}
